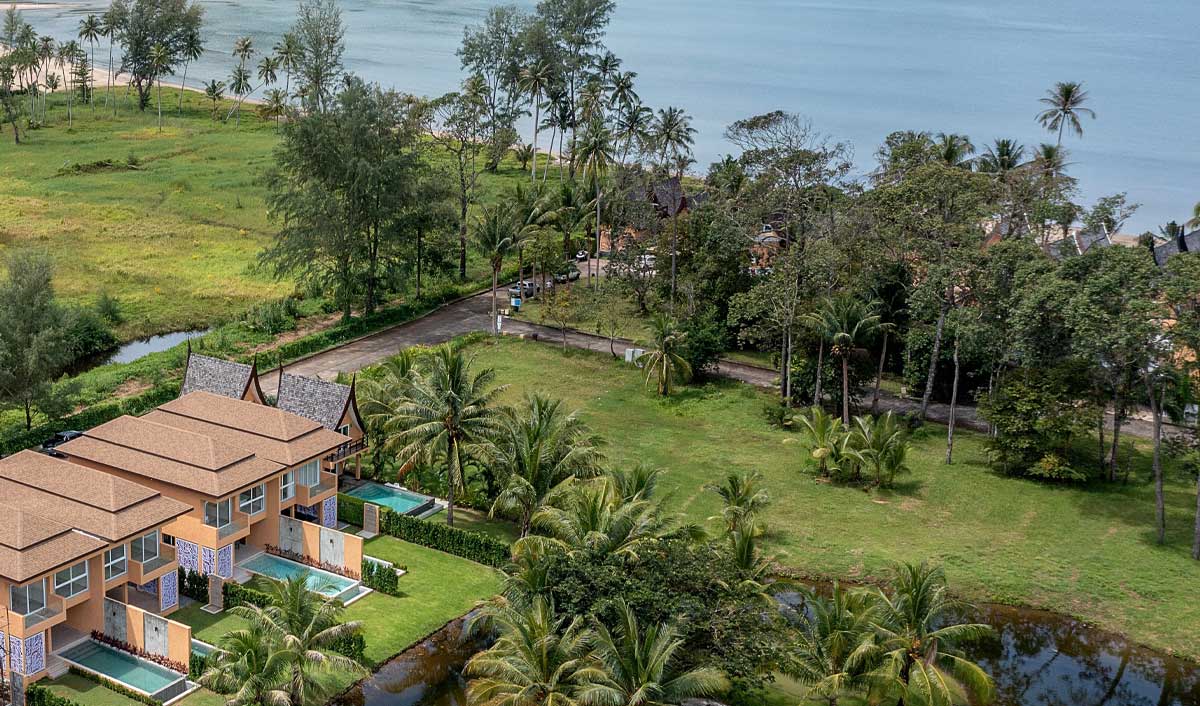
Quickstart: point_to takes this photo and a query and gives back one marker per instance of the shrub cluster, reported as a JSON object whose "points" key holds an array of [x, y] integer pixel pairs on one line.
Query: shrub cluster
{"points": [[94, 415], [236, 595], [197, 665], [353, 646], [380, 577], [38, 695], [193, 584]]}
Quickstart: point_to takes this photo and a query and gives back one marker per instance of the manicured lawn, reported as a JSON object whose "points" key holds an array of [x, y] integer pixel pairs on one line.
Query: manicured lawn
{"points": [[88, 693], [176, 237], [476, 521], [1084, 551], [437, 588]]}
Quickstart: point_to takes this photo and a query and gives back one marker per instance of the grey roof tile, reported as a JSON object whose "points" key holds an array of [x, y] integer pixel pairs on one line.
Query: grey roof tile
{"points": [[220, 377], [318, 400]]}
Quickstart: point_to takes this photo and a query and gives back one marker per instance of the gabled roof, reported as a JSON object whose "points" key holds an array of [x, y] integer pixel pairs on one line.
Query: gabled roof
{"points": [[1167, 250], [56, 512], [220, 377], [669, 196], [326, 403]]}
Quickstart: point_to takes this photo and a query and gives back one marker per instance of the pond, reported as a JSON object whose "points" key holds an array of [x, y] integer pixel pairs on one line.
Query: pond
{"points": [[1039, 659], [134, 350]]}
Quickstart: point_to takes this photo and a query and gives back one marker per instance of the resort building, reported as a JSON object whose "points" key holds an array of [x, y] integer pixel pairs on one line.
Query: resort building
{"points": [[239, 465], [334, 407], [83, 551]]}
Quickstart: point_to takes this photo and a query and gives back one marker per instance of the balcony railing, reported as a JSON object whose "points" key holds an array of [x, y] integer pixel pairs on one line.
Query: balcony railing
{"points": [[347, 449], [310, 495], [193, 529], [23, 625], [145, 571]]}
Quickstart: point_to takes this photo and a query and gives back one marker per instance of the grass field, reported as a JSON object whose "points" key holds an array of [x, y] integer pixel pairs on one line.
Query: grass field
{"points": [[1088, 551], [176, 238]]}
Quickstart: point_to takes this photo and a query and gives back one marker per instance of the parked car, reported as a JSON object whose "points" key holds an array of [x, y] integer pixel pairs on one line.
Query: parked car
{"points": [[582, 256], [61, 437], [569, 276]]}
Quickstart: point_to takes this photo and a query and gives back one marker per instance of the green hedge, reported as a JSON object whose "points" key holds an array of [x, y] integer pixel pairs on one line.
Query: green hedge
{"points": [[94, 415], [194, 585], [236, 595], [197, 665], [380, 577], [477, 547], [353, 646]]}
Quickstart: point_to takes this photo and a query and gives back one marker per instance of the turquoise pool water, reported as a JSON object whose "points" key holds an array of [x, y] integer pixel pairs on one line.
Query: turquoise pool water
{"points": [[122, 667], [401, 501], [281, 569]]}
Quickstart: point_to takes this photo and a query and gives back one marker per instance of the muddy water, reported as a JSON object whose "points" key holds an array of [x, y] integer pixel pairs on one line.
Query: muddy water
{"points": [[1039, 658]]}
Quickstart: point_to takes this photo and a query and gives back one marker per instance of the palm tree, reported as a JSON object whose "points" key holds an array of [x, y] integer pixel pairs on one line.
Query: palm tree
{"points": [[1002, 157], [1066, 103], [304, 626], [268, 70], [591, 517], [742, 499], [110, 25], [621, 91], [673, 135], [248, 669], [881, 444], [833, 657], [641, 665], [193, 49], [664, 363], [540, 448], [846, 322], [274, 105], [633, 127], [596, 151], [90, 31], [539, 659], [918, 641], [239, 80], [214, 90], [160, 59], [1052, 159], [955, 150], [494, 232], [448, 408], [637, 482], [288, 53], [534, 80], [525, 154], [823, 436]]}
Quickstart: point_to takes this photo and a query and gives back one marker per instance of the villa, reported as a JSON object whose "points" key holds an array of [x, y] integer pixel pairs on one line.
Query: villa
{"points": [[83, 551]]}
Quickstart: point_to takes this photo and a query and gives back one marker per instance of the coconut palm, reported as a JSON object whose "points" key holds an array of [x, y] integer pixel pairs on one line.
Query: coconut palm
{"points": [[672, 134], [641, 665], [304, 626], [633, 128], [160, 60], [540, 659], [880, 444], [1065, 106], [592, 518], [742, 499], [918, 641], [621, 91], [846, 322], [955, 150], [214, 91], [288, 51], [539, 448], [90, 32], [1002, 157], [636, 482], [525, 154], [193, 49], [110, 25], [664, 363], [274, 105], [247, 669], [596, 151], [822, 433], [494, 233], [448, 408], [836, 644], [239, 80], [268, 70], [534, 80], [1052, 159]]}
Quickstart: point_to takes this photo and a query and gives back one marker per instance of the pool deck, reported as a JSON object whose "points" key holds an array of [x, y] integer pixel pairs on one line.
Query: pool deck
{"points": [[243, 575]]}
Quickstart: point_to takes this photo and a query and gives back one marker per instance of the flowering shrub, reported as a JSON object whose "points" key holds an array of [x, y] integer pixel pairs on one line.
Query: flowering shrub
{"points": [[139, 652]]}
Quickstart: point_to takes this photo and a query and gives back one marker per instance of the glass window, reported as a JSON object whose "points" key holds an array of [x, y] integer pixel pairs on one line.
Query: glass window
{"points": [[27, 599], [145, 548], [344, 430], [168, 540], [309, 474], [287, 486], [218, 514], [114, 563], [72, 581], [253, 501]]}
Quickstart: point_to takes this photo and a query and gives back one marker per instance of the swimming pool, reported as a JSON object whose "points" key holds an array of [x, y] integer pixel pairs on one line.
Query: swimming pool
{"points": [[317, 581], [398, 500], [138, 674]]}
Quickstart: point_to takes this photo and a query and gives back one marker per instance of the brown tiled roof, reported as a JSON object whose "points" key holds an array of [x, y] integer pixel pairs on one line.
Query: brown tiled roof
{"points": [[50, 504], [238, 414], [171, 455]]}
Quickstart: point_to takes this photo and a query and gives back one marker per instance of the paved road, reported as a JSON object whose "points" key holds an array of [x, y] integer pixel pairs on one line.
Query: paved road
{"points": [[474, 314]]}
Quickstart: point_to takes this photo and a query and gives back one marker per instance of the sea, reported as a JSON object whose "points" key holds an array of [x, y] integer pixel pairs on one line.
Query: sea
{"points": [[858, 69]]}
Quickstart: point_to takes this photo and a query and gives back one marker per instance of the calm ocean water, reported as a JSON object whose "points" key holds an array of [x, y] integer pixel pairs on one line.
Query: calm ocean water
{"points": [[858, 68]]}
